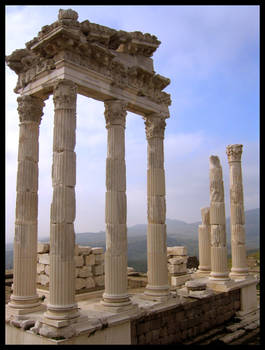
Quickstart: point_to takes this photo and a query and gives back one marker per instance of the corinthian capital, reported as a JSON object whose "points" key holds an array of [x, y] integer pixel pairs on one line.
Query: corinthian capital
{"points": [[115, 112], [154, 126], [30, 108], [234, 153], [64, 94]]}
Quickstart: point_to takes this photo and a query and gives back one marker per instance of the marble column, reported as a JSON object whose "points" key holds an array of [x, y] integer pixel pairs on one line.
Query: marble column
{"points": [[116, 294], [238, 248], [219, 269], [24, 298], [204, 235], [62, 305], [157, 274]]}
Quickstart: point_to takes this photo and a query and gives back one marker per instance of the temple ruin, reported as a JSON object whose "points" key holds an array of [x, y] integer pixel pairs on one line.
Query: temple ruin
{"points": [[67, 58]]}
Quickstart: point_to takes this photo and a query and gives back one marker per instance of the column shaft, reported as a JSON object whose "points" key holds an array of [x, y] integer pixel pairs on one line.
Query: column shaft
{"points": [[238, 248], [116, 208], [204, 235], [217, 222], [157, 274], [62, 303], [24, 295]]}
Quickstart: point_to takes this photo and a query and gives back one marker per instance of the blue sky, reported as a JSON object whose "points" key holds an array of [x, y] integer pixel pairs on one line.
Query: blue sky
{"points": [[210, 54]]}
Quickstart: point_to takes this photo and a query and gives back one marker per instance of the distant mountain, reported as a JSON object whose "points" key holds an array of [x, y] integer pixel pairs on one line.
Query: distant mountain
{"points": [[178, 233]]}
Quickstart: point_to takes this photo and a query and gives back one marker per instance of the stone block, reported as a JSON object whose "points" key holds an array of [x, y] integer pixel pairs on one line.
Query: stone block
{"points": [[47, 270], [178, 260], [40, 268], [99, 258], [84, 250], [181, 268], [44, 280], [44, 259], [43, 247], [64, 168], [80, 283], [79, 260], [97, 250], [179, 280], [177, 250], [98, 269], [85, 271], [90, 259], [99, 280], [90, 283]]}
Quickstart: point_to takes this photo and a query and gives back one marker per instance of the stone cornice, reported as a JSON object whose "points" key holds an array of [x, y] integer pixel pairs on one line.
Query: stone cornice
{"points": [[234, 153], [115, 113], [154, 126], [120, 56], [30, 108], [64, 94]]}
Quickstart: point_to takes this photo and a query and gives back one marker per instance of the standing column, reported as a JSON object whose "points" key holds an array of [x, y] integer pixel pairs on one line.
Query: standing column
{"points": [[217, 222], [24, 298], [238, 248], [62, 305], [157, 285], [116, 294], [204, 233]]}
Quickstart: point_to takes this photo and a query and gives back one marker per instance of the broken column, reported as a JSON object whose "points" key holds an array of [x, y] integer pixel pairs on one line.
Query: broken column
{"points": [[237, 219], [157, 274], [116, 294], [204, 235], [219, 269], [62, 306], [24, 298]]}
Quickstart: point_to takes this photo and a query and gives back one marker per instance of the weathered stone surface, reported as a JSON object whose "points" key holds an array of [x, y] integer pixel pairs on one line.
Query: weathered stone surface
{"points": [[97, 250], [90, 259], [79, 260], [85, 271], [44, 280], [80, 283], [177, 250], [90, 283], [178, 260], [44, 258], [99, 280], [43, 247], [98, 269], [177, 268], [84, 250], [99, 258], [40, 268]]}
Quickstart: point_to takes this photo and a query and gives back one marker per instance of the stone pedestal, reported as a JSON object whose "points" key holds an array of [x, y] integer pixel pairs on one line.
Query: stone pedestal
{"points": [[24, 298], [157, 274], [116, 295], [204, 236], [219, 269], [62, 308], [239, 259]]}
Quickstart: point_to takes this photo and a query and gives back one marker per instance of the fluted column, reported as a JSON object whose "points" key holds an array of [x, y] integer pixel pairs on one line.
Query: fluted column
{"points": [[217, 222], [62, 303], [238, 248], [157, 274], [116, 294], [204, 235], [24, 297]]}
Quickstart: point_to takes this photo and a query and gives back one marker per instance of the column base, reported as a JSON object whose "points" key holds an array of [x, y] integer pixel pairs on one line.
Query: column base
{"points": [[115, 303], [239, 273], [24, 305], [160, 293], [60, 316], [219, 276], [200, 274]]}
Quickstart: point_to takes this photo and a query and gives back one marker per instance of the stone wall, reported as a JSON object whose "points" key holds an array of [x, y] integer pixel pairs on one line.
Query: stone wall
{"points": [[89, 267], [186, 320]]}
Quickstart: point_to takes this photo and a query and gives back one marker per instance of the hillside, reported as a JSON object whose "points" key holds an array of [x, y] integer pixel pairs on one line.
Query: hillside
{"points": [[178, 233]]}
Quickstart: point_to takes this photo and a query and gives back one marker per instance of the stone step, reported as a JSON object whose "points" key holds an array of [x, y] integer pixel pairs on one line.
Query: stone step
{"points": [[247, 338], [243, 323], [228, 338], [206, 336]]}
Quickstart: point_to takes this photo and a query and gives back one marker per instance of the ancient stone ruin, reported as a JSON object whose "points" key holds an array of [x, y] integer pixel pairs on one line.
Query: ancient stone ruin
{"points": [[68, 58]]}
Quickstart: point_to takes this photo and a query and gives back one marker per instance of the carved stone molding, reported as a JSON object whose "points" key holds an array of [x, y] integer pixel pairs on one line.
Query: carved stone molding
{"points": [[154, 126], [115, 112], [30, 108], [234, 152], [121, 57], [64, 94]]}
